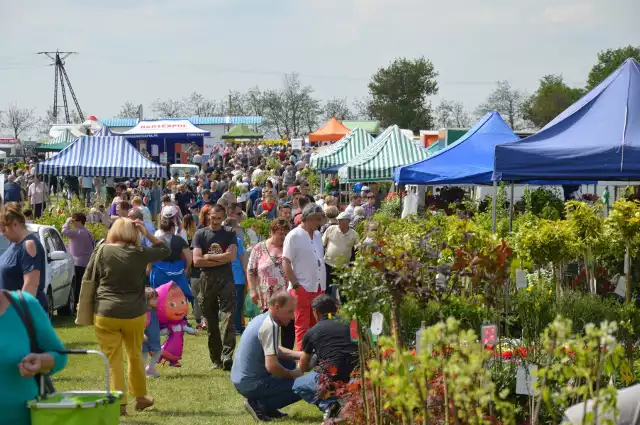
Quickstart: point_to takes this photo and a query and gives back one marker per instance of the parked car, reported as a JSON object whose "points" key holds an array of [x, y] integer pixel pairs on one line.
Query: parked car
{"points": [[60, 273], [182, 169]]}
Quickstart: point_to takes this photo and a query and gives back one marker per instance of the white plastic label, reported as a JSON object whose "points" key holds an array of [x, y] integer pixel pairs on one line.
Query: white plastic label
{"points": [[524, 378], [521, 279], [377, 319], [621, 287]]}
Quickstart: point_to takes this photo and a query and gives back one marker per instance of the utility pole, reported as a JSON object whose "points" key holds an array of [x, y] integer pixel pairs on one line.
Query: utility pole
{"points": [[61, 74]]}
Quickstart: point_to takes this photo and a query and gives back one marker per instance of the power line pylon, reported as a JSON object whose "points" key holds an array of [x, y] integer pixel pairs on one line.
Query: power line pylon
{"points": [[60, 73]]}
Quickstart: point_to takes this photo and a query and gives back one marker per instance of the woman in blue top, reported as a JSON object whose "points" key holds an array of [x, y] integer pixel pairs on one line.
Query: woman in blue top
{"points": [[22, 265], [239, 269], [18, 365]]}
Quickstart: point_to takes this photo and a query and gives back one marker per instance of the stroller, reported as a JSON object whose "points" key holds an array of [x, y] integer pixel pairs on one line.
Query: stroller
{"points": [[77, 407]]}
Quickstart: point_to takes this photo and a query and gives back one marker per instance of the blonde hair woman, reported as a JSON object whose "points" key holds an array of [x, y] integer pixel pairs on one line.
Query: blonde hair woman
{"points": [[117, 298]]}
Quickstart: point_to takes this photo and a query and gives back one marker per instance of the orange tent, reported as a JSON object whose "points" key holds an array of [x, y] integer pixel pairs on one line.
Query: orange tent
{"points": [[332, 131]]}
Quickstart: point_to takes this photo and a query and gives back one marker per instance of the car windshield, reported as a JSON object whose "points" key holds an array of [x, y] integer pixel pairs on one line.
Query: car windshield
{"points": [[180, 171]]}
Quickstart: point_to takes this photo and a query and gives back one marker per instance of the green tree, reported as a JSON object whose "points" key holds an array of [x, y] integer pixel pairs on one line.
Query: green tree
{"points": [[552, 97], [400, 91], [608, 61]]}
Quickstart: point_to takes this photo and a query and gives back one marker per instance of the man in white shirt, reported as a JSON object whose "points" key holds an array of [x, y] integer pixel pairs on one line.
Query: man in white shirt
{"points": [[303, 262], [356, 200]]}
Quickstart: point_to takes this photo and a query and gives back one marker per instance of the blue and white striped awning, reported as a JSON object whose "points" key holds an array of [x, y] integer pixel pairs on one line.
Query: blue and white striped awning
{"points": [[104, 131], [132, 122], [110, 156]]}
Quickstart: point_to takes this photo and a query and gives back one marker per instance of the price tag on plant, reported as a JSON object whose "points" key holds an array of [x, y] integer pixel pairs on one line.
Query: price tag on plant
{"points": [[489, 334], [521, 279], [621, 287], [524, 378], [377, 320]]}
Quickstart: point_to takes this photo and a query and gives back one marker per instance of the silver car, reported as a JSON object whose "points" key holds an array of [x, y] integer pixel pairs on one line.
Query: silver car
{"points": [[60, 279]]}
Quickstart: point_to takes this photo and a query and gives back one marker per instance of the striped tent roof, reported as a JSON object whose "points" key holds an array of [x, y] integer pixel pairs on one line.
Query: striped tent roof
{"points": [[390, 150], [356, 141], [109, 156], [57, 144]]}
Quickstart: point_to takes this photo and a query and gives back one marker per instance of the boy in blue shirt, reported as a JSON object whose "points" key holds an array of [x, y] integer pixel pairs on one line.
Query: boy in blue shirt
{"points": [[239, 269]]}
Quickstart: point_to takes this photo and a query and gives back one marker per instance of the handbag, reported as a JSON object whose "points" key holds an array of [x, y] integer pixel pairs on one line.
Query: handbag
{"points": [[44, 383], [86, 300]]}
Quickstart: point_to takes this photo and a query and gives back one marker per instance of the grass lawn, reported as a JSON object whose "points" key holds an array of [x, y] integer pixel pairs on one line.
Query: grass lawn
{"points": [[191, 395]]}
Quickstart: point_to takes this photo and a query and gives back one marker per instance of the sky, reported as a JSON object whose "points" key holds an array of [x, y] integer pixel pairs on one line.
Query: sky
{"points": [[143, 50]]}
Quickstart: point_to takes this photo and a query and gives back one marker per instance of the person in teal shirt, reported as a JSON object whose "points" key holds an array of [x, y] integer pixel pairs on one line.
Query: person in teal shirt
{"points": [[239, 269], [18, 365]]}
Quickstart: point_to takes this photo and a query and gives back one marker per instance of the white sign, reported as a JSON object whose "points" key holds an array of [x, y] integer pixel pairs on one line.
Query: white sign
{"points": [[621, 287], [521, 279], [377, 319], [154, 150], [155, 127], [163, 157], [296, 144], [524, 378]]}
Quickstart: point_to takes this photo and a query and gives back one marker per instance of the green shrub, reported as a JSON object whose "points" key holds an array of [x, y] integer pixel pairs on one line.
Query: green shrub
{"points": [[260, 225]]}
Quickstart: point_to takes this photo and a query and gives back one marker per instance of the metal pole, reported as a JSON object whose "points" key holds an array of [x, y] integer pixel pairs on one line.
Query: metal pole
{"points": [[321, 182], [511, 208], [494, 202]]}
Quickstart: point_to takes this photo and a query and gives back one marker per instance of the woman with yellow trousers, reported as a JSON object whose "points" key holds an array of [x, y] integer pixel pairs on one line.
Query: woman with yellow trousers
{"points": [[113, 299]]}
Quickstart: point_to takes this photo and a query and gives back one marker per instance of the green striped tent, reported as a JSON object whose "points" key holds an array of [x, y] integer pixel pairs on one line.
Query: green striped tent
{"points": [[390, 150], [355, 142], [57, 144]]}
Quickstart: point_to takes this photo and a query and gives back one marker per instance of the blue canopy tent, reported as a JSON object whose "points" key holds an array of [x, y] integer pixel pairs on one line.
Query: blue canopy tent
{"points": [[171, 136], [598, 137], [468, 161], [96, 156]]}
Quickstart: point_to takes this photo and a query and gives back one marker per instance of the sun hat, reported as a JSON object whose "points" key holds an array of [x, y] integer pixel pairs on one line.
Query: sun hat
{"points": [[344, 216], [170, 211]]}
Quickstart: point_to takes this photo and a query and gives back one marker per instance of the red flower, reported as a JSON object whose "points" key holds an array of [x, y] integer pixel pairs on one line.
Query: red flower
{"points": [[332, 370], [387, 353], [507, 355], [522, 352]]}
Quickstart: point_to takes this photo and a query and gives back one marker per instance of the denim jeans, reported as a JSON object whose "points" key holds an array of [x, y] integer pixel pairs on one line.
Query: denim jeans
{"points": [[306, 387], [239, 307], [270, 393], [152, 332]]}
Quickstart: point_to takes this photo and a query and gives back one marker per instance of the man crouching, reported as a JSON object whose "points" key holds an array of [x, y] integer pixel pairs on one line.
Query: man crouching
{"points": [[257, 372]]}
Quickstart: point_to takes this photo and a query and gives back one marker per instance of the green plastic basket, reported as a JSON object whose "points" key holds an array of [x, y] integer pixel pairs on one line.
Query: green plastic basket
{"points": [[77, 407]]}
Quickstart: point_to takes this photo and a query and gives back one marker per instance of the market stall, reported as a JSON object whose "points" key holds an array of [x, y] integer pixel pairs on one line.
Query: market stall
{"points": [[331, 131], [390, 150], [109, 156], [57, 144], [598, 137], [241, 133], [338, 154], [170, 140]]}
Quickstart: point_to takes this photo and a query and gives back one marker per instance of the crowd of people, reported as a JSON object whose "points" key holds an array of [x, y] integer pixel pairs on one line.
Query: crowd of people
{"points": [[189, 232]]}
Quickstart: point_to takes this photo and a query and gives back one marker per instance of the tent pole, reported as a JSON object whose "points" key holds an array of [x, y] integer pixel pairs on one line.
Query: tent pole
{"points": [[511, 208], [494, 202], [321, 182]]}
